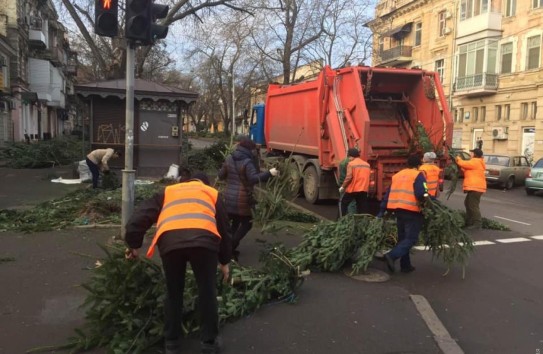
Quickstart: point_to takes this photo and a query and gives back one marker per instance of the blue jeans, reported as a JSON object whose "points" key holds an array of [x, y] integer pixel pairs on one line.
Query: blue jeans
{"points": [[95, 172], [409, 225]]}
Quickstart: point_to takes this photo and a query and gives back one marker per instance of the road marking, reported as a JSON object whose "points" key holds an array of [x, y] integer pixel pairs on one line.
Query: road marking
{"points": [[441, 335], [511, 240], [483, 243], [518, 222]]}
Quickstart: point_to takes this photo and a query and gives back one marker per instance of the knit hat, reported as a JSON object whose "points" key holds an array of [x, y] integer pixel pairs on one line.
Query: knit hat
{"points": [[414, 161], [429, 156], [353, 152]]}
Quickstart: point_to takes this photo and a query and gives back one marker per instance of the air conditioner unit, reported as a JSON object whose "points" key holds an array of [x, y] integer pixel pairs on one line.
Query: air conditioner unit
{"points": [[447, 30], [499, 133]]}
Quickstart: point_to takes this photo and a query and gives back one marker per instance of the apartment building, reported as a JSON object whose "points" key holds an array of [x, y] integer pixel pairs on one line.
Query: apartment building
{"points": [[41, 70], [488, 54]]}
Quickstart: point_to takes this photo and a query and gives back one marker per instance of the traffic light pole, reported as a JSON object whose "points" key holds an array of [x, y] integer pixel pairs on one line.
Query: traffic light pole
{"points": [[128, 172]]}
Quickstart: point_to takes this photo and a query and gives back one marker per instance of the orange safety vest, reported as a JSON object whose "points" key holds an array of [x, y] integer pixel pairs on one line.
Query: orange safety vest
{"points": [[474, 174], [360, 171], [188, 205], [402, 191], [431, 172]]}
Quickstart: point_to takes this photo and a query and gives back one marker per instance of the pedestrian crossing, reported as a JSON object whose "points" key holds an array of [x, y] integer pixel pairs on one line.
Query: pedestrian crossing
{"points": [[495, 242]]}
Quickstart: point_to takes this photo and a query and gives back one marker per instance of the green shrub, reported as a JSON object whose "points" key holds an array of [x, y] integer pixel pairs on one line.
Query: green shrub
{"points": [[46, 153]]}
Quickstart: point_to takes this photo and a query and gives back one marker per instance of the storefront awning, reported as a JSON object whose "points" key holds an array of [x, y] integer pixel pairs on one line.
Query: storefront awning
{"points": [[399, 32]]}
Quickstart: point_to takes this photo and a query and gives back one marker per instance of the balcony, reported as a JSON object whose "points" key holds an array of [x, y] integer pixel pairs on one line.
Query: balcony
{"points": [[478, 27], [36, 34], [396, 56], [476, 85]]}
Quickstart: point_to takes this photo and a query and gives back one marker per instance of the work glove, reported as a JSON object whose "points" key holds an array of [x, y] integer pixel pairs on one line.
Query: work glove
{"points": [[341, 189], [274, 172]]}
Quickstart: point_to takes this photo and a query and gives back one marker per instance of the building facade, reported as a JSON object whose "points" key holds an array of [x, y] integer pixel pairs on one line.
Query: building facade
{"points": [[41, 71], [488, 54]]}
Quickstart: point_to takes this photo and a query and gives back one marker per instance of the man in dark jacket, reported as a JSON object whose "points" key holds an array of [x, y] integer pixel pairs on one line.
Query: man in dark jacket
{"points": [[407, 191], [241, 175], [192, 226]]}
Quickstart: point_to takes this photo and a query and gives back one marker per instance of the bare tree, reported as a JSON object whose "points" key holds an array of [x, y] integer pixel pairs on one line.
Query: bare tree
{"points": [[110, 54], [346, 39]]}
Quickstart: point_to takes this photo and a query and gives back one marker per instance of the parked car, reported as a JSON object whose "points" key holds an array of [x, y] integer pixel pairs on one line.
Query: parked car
{"points": [[506, 171], [534, 181]]}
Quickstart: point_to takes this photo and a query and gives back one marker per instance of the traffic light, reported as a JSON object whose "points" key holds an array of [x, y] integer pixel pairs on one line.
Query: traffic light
{"points": [[105, 17], [140, 21]]}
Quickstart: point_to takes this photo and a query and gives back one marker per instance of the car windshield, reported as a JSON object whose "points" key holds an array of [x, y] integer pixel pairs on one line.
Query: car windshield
{"points": [[539, 163], [497, 160]]}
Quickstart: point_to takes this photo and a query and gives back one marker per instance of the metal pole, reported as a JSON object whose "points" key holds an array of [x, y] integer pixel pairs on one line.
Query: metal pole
{"points": [[233, 106], [128, 172]]}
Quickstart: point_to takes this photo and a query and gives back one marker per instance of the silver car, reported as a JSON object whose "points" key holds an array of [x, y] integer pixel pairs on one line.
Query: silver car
{"points": [[506, 171]]}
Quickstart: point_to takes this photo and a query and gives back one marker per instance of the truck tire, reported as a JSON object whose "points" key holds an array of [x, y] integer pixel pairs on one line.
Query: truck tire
{"points": [[311, 184], [296, 178]]}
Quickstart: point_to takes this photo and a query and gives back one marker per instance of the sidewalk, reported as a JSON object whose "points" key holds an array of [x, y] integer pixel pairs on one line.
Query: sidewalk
{"points": [[334, 313]]}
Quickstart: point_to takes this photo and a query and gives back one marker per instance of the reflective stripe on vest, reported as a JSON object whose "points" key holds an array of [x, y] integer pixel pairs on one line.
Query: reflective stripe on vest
{"points": [[431, 172], [402, 191], [360, 181], [188, 205]]}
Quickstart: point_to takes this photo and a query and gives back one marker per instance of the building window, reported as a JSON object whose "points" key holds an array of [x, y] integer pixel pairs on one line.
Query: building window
{"points": [[381, 45], [506, 111], [442, 20], [483, 113], [537, 3], [524, 110], [418, 34], [475, 114], [460, 117], [498, 112], [507, 58], [471, 8], [533, 110], [510, 8], [474, 60], [440, 69], [533, 51]]}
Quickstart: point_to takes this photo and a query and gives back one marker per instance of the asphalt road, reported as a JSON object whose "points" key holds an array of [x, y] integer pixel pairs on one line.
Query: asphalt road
{"points": [[498, 307]]}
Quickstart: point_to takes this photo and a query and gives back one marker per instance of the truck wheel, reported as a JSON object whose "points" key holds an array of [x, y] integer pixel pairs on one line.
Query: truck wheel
{"points": [[311, 184], [295, 177]]}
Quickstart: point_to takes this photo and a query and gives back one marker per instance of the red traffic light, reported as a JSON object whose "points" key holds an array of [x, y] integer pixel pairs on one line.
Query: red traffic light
{"points": [[106, 4]]}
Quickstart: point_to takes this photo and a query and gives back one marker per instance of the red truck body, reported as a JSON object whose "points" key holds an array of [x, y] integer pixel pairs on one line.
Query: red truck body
{"points": [[374, 109]]}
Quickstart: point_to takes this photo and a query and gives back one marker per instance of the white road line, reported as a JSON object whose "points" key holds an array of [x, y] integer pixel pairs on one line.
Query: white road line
{"points": [[511, 240], [483, 243], [540, 237], [518, 222]]}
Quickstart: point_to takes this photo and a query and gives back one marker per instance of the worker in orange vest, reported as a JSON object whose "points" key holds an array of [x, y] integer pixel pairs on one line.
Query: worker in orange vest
{"points": [[356, 183], [192, 226], [407, 191], [474, 187], [431, 172]]}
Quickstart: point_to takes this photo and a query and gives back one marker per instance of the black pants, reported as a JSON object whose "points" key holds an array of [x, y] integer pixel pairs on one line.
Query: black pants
{"points": [[240, 227], [361, 199], [95, 172], [204, 265]]}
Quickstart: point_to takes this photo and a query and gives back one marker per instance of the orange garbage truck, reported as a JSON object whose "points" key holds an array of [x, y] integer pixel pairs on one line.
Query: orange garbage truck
{"points": [[386, 113]]}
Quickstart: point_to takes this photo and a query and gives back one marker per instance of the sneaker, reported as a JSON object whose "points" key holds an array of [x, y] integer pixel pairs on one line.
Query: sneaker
{"points": [[390, 263], [408, 269], [211, 347]]}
